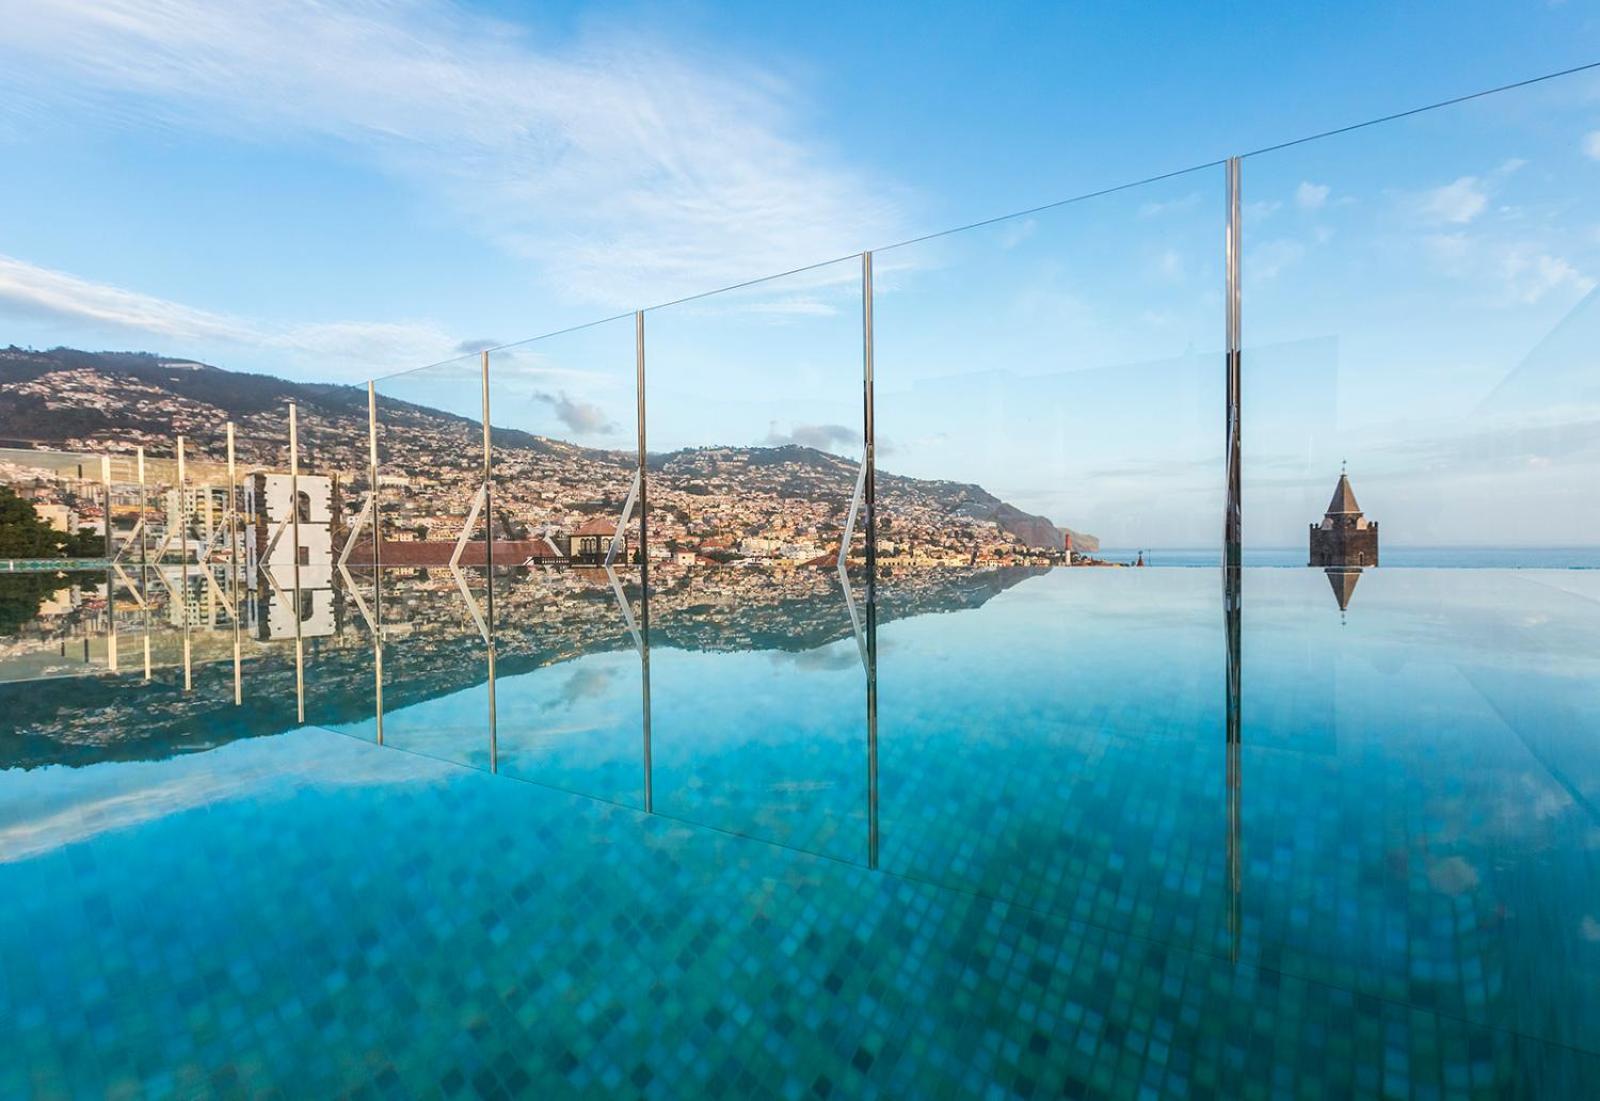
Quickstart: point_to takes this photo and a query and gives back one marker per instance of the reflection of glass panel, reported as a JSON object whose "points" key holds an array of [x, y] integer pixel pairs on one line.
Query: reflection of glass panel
{"points": [[756, 438], [569, 687], [436, 693]]}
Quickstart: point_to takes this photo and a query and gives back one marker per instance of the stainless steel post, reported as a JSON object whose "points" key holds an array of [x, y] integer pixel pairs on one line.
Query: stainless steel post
{"points": [[488, 561], [644, 558], [233, 568], [182, 511], [1232, 527], [1232, 560], [377, 559], [294, 531]]}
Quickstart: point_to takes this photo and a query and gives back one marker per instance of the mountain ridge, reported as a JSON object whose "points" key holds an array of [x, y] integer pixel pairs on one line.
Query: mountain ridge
{"points": [[69, 397]]}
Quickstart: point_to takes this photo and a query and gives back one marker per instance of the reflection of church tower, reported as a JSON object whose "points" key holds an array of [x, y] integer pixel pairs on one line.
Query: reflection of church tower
{"points": [[1345, 537], [1343, 579]]}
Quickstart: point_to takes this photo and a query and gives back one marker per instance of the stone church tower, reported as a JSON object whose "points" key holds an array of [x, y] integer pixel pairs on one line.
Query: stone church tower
{"points": [[1345, 537]]}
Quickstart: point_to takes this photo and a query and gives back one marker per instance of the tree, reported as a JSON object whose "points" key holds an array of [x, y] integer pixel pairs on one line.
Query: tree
{"points": [[88, 543], [23, 534]]}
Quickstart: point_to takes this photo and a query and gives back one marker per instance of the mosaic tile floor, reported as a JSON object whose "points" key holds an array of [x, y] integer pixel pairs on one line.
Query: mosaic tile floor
{"points": [[1051, 914]]}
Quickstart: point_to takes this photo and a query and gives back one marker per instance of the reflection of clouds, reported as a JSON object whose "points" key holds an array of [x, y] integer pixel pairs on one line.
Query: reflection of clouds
{"points": [[59, 807], [832, 658], [582, 417], [822, 437], [1452, 875], [586, 683]]}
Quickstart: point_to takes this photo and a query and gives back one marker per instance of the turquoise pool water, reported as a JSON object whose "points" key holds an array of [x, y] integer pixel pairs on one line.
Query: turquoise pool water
{"points": [[1034, 872]]}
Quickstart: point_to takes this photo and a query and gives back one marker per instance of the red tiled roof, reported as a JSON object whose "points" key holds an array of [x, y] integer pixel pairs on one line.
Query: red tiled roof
{"points": [[417, 554]]}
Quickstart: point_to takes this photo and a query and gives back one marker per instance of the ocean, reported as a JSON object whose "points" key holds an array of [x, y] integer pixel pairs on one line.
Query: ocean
{"points": [[1551, 558]]}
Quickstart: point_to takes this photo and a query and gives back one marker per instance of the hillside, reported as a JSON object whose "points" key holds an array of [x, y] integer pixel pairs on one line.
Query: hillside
{"points": [[76, 400]]}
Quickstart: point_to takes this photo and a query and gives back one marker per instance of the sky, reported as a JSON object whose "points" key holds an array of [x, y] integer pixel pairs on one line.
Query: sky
{"points": [[343, 190]]}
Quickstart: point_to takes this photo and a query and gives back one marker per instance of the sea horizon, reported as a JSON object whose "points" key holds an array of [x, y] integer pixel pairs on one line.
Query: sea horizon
{"points": [[1402, 557]]}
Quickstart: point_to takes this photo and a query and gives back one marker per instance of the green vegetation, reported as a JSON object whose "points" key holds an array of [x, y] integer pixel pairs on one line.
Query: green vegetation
{"points": [[24, 535], [23, 594]]}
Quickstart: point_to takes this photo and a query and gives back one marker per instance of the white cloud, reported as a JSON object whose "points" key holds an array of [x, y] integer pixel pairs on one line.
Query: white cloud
{"points": [[341, 348], [31, 291], [1310, 196], [1156, 209], [1530, 274], [1268, 259], [630, 174], [1457, 202], [1591, 145], [1260, 210], [797, 305], [582, 417]]}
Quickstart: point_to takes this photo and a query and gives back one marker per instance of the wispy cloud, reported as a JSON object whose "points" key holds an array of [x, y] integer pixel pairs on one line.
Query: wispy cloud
{"points": [[1310, 196], [581, 417], [1591, 145], [1169, 206], [823, 437], [1531, 274], [1457, 203], [626, 172], [349, 348]]}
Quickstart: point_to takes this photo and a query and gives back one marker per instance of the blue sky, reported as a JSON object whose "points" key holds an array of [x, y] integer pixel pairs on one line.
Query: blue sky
{"points": [[348, 189]]}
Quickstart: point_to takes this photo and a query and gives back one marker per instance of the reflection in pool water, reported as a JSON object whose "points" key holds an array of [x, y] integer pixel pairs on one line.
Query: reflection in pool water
{"points": [[1056, 874]]}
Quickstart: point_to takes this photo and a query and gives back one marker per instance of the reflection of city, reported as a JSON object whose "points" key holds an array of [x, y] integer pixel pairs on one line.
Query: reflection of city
{"points": [[543, 621]]}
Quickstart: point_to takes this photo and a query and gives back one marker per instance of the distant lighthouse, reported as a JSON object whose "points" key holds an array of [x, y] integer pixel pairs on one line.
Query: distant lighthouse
{"points": [[1345, 537]]}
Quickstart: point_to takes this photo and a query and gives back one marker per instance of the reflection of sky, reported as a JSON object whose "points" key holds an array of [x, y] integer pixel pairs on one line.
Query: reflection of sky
{"points": [[1419, 792]]}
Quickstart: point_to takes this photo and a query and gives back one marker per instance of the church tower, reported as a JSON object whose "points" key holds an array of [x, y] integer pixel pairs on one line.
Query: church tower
{"points": [[1345, 537]]}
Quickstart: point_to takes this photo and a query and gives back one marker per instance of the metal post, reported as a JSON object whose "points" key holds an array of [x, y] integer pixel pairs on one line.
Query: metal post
{"points": [[111, 584], [872, 736], [1232, 560], [233, 568], [644, 559], [377, 561], [183, 570], [488, 562], [1232, 529], [294, 530], [869, 429], [144, 566]]}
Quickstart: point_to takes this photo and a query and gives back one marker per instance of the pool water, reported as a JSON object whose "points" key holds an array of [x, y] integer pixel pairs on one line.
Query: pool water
{"points": [[1031, 867]]}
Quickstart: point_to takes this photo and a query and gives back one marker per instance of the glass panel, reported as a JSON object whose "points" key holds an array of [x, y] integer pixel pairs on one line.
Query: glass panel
{"points": [[570, 661], [1420, 309], [1050, 395], [756, 439], [436, 671]]}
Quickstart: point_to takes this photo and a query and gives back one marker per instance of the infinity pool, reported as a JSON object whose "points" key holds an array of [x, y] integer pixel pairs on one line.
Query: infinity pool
{"points": [[703, 866]]}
